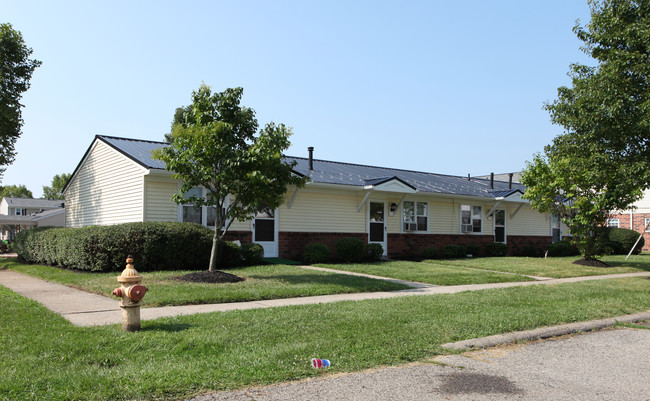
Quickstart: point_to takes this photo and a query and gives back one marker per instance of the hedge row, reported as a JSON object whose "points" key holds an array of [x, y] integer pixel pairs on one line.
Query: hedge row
{"points": [[348, 250], [154, 246]]}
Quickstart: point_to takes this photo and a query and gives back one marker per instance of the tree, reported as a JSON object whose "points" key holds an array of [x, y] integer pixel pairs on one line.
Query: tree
{"points": [[601, 162], [16, 70], [15, 191], [56, 190], [218, 148], [179, 118]]}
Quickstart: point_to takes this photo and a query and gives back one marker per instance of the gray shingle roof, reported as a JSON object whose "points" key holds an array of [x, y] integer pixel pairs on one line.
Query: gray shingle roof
{"points": [[330, 172]]}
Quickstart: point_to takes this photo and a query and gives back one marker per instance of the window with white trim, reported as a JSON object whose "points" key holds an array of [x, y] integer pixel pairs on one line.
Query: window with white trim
{"points": [[612, 223], [415, 216], [191, 213], [647, 220], [471, 219]]}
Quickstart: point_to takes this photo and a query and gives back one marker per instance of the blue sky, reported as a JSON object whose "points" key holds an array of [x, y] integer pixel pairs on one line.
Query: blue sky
{"points": [[437, 86]]}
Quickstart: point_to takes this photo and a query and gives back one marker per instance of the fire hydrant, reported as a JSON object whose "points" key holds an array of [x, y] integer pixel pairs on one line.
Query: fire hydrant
{"points": [[132, 293]]}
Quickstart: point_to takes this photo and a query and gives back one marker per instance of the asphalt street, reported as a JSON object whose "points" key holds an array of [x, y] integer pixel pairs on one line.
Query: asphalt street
{"points": [[611, 364]]}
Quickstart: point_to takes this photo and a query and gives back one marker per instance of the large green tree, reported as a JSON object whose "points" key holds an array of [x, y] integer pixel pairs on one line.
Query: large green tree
{"points": [[179, 118], [15, 191], [601, 162], [218, 147], [16, 69], [55, 190]]}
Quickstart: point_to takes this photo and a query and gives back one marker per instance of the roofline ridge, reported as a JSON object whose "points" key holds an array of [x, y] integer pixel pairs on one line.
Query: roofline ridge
{"points": [[131, 139]]}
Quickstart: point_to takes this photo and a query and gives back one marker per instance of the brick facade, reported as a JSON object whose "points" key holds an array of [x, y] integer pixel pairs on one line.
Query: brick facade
{"points": [[292, 244], [638, 224]]}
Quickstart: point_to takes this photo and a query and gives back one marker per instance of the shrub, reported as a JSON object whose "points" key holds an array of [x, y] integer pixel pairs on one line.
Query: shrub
{"points": [[621, 240], [374, 252], [496, 249], [350, 249], [562, 248], [154, 246], [529, 250], [452, 251], [251, 254], [316, 253], [229, 255], [429, 253], [473, 249]]}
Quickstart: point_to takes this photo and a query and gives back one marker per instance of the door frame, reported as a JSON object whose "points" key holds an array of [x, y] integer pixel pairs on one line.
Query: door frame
{"points": [[384, 243], [505, 225], [270, 247]]}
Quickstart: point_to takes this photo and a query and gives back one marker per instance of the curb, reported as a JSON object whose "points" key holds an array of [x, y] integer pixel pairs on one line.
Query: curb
{"points": [[546, 332]]}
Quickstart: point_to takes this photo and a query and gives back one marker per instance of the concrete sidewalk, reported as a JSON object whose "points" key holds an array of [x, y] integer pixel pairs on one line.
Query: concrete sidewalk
{"points": [[87, 309]]}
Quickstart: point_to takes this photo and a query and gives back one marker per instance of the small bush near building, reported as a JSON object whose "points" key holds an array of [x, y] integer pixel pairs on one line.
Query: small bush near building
{"points": [[530, 251], [374, 252], [316, 253], [621, 240], [251, 254], [473, 249], [452, 251], [429, 253], [496, 249], [350, 249], [230, 255], [562, 248]]}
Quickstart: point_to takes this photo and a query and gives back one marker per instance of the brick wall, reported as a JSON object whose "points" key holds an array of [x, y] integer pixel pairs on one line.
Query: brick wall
{"points": [[638, 222], [292, 244]]}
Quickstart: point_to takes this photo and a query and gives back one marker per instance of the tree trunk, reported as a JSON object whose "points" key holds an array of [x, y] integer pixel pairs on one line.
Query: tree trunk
{"points": [[215, 251]]}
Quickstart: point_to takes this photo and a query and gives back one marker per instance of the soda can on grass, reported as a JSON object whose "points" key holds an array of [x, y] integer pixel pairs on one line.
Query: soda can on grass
{"points": [[320, 363]]}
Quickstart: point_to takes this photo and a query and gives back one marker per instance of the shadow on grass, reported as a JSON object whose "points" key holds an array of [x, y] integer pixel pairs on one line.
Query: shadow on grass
{"points": [[168, 327], [337, 279]]}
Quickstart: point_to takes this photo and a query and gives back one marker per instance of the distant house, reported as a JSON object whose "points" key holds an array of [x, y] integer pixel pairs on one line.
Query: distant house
{"points": [[17, 214], [405, 211], [635, 218]]}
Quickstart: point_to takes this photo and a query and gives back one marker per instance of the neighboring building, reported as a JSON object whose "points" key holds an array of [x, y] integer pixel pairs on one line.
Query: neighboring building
{"points": [[117, 181], [635, 218], [17, 214]]}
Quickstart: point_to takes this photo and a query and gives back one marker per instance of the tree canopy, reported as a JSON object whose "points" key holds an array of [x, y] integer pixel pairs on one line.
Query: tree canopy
{"points": [[217, 147], [601, 163], [15, 191], [55, 191], [16, 69]]}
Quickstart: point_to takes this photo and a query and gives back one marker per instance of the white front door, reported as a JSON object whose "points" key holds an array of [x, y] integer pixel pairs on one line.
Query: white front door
{"points": [[265, 231], [377, 224]]}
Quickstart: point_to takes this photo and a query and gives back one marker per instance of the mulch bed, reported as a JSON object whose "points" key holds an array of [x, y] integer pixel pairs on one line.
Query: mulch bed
{"points": [[212, 277], [591, 263]]}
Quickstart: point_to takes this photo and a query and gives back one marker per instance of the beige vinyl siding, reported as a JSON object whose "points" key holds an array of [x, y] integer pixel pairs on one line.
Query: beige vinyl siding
{"points": [[527, 221], [158, 200], [323, 211], [107, 189]]}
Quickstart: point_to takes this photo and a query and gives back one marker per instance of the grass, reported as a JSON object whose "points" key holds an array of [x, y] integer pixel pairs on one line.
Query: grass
{"points": [[430, 273], [262, 282], [44, 357], [551, 267]]}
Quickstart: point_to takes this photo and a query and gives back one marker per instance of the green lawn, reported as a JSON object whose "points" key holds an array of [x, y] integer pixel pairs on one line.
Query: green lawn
{"points": [[551, 267], [262, 282], [45, 357], [429, 273]]}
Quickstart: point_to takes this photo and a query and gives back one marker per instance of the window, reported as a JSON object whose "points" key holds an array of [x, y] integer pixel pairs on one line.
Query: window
{"points": [[612, 223], [415, 216], [647, 221], [556, 226], [192, 214], [471, 219]]}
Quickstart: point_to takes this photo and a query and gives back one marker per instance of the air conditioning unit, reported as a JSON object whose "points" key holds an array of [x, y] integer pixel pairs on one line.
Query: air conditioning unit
{"points": [[466, 228], [410, 227]]}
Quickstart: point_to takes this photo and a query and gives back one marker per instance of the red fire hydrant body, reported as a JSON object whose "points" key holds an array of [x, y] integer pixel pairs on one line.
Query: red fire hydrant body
{"points": [[131, 293]]}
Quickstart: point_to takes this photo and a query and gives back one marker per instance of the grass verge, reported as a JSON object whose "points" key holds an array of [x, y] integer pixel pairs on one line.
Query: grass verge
{"points": [[262, 282], [551, 267], [429, 273], [46, 357]]}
